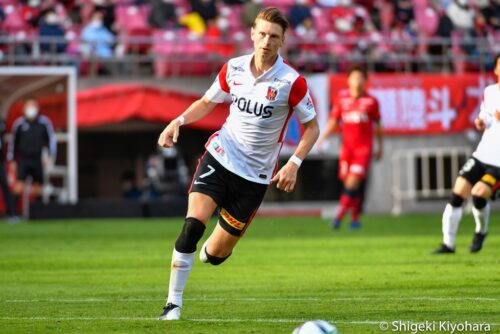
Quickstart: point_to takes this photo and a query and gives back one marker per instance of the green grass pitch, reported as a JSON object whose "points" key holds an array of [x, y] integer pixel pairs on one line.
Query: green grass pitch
{"points": [[101, 276]]}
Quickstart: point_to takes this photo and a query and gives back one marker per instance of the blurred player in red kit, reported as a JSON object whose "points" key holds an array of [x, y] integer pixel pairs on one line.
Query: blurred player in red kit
{"points": [[357, 113]]}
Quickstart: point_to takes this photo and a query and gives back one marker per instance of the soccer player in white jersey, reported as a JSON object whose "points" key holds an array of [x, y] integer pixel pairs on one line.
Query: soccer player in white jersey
{"points": [[241, 158], [479, 176]]}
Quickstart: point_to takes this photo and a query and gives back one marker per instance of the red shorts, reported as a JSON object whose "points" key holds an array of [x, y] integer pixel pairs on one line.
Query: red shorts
{"points": [[356, 161]]}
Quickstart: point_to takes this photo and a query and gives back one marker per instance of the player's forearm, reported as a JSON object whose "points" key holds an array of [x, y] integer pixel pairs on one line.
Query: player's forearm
{"points": [[330, 128], [308, 139], [380, 137], [197, 110]]}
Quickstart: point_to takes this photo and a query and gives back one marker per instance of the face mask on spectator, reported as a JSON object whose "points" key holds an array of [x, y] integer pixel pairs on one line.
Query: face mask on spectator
{"points": [[462, 3], [345, 2], [222, 24], [31, 112], [302, 2], [96, 24], [167, 1], [99, 2], [34, 3], [257, 2], [52, 19], [343, 25]]}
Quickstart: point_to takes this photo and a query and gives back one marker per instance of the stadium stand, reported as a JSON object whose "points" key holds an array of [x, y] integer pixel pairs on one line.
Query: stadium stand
{"points": [[168, 37]]}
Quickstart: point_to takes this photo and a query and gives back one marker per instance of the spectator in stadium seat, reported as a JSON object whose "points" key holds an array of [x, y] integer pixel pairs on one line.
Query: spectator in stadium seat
{"points": [[10, 208], [107, 8], [218, 41], [51, 29], [492, 14], [403, 11], [444, 30], [31, 12], [30, 133], [250, 11], [300, 11], [99, 40], [461, 15], [205, 8], [163, 14]]}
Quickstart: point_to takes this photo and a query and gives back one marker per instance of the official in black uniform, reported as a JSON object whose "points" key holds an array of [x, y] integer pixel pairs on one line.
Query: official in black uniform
{"points": [[30, 134]]}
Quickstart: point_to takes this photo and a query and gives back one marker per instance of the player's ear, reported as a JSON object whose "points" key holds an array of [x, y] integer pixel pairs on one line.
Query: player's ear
{"points": [[252, 33]]}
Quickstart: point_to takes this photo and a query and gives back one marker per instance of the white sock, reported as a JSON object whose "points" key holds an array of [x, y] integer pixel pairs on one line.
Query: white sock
{"points": [[451, 220], [482, 218], [179, 273]]}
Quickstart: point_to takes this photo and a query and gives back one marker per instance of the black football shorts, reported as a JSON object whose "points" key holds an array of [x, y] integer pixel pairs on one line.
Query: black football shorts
{"points": [[238, 199], [30, 167], [474, 171]]}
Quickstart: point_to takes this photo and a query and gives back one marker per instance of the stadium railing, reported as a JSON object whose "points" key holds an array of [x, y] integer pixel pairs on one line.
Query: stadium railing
{"points": [[161, 55], [425, 173]]}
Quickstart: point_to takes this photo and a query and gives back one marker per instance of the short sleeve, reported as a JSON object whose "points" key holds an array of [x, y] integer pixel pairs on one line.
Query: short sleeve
{"points": [[220, 89], [300, 101]]}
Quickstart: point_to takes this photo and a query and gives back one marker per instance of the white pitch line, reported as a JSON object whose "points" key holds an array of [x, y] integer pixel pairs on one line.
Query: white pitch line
{"points": [[223, 320], [310, 299]]}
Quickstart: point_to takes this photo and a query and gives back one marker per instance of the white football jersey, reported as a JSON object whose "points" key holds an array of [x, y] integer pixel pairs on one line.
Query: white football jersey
{"points": [[488, 150], [249, 142]]}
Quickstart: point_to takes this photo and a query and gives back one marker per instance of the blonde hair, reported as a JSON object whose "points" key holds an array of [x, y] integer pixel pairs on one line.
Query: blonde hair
{"points": [[273, 15]]}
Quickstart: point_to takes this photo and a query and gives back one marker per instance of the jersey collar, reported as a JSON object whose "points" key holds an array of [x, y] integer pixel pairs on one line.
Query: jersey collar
{"points": [[277, 64]]}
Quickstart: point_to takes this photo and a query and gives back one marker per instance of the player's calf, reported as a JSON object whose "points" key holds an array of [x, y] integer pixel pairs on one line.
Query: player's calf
{"points": [[450, 220], [205, 257]]}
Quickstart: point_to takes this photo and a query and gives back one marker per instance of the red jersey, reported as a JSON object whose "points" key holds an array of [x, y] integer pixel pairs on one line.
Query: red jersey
{"points": [[357, 116]]}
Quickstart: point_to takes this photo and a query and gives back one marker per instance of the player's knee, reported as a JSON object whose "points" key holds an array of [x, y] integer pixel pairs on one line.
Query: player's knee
{"points": [[456, 200], [191, 233], [215, 260], [479, 202]]}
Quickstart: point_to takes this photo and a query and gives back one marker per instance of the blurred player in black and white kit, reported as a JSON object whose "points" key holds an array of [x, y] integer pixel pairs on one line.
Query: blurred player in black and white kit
{"points": [[240, 159], [10, 208], [479, 176], [30, 134]]}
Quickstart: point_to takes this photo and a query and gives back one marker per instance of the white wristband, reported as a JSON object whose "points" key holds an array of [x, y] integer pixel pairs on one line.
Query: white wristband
{"points": [[296, 160], [181, 120]]}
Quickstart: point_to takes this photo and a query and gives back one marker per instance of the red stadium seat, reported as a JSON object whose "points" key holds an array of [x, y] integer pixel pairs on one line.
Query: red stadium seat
{"points": [[132, 17], [320, 16], [13, 20]]}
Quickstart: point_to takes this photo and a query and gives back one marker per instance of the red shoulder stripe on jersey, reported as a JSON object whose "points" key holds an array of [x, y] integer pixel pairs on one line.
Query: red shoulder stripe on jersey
{"points": [[222, 78], [298, 91]]}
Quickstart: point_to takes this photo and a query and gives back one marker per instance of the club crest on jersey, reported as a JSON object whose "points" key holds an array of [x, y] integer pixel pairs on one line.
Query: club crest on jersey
{"points": [[272, 94]]}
